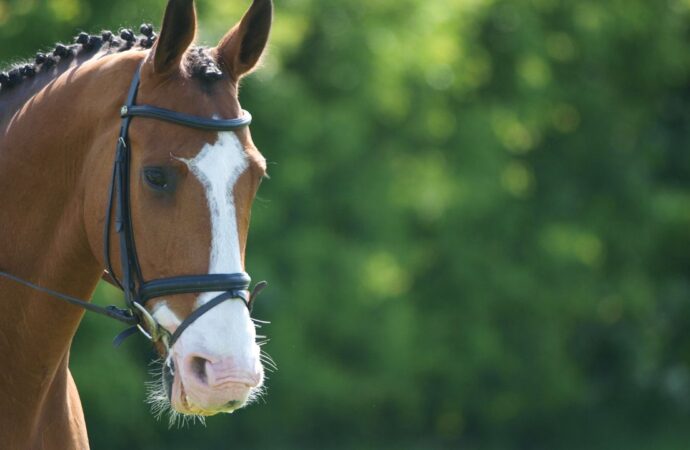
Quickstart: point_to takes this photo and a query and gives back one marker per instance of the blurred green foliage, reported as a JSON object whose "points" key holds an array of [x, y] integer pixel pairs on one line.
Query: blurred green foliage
{"points": [[477, 228]]}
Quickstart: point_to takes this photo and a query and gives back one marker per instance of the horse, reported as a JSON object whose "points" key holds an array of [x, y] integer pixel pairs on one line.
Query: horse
{"points": [[160, 118]]}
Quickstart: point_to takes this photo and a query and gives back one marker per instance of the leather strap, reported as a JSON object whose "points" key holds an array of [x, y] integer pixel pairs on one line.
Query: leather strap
{"points": [[187, 120], [194, 284], [122, 315], [203, 309]]}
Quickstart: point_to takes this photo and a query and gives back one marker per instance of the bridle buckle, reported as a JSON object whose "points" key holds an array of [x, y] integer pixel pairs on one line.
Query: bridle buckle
{"points": [[150, 327]]}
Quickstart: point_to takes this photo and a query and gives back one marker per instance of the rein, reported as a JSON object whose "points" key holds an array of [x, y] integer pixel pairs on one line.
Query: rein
{"points": [[137, 291]]}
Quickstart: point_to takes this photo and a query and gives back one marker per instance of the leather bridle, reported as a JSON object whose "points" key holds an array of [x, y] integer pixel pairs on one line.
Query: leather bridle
{"points": [[138, 291]]}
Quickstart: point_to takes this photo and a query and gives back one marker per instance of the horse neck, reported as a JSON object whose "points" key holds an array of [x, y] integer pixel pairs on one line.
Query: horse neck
{"points": [[44, 152]]}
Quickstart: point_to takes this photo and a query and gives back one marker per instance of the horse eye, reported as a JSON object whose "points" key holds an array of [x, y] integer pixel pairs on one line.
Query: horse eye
{"points": [[157, 178]]}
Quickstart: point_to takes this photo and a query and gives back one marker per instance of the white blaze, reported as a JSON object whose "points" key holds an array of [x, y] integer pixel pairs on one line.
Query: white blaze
{"points": [[218, 167], [226, 330]]}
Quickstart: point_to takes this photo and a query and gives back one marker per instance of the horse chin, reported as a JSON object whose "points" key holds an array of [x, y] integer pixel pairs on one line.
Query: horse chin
{"points": [[185, 402], [182, 402]]}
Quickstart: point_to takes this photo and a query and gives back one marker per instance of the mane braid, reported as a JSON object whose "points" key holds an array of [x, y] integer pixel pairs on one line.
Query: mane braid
{"points": [[199, 62]]}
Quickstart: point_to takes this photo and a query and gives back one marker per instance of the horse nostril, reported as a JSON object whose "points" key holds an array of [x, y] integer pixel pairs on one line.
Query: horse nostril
{"points": [[232, 404], [209, 372], [198, 367]]}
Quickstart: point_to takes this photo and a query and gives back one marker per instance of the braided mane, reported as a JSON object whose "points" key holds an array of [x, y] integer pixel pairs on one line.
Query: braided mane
{"points": [[84, 45], [198, 61]]}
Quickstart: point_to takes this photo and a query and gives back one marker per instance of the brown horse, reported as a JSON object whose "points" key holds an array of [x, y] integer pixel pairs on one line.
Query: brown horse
{"points": [[190, 194]]}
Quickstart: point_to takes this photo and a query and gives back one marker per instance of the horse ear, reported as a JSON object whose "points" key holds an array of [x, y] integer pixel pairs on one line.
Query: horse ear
{"points": [[241, 48], [177, 33]]}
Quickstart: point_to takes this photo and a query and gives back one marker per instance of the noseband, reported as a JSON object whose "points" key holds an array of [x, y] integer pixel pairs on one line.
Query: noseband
{"points": [[138, 291]]}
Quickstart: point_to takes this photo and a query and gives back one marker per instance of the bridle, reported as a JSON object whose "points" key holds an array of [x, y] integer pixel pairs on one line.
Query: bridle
{"points": [[138, 291]]}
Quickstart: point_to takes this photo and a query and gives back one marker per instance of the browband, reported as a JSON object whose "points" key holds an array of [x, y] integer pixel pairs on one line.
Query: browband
{"points": [[188, 120]]}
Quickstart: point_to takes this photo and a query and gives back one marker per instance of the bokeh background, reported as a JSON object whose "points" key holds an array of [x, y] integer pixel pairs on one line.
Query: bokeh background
{"points": [[477, 228]]}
